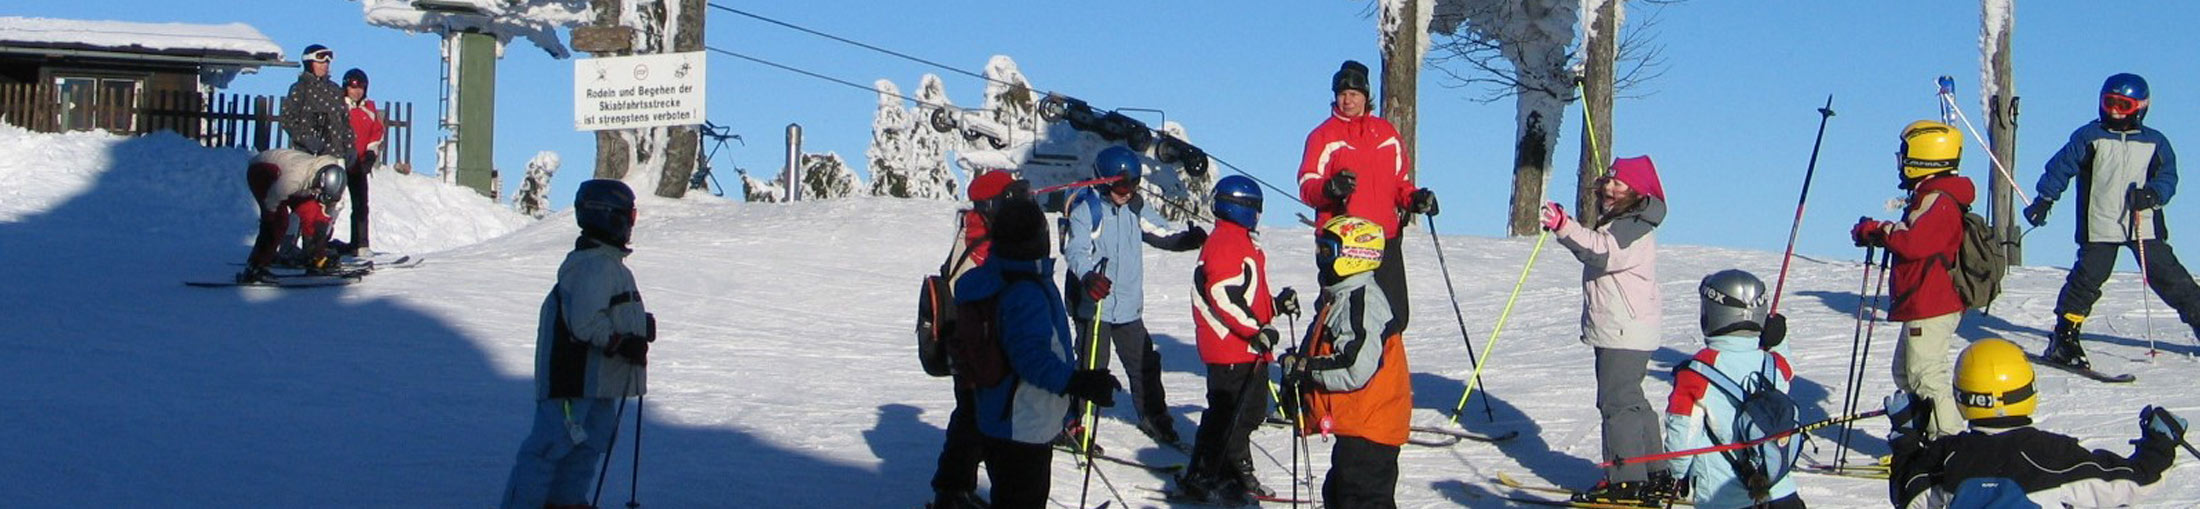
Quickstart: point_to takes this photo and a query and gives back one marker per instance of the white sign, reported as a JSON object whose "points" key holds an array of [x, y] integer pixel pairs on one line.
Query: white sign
{"points": [[638, 91]]}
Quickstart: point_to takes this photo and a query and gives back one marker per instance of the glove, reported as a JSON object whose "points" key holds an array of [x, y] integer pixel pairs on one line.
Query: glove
{"points": [[1094, 385], [1195, 236], [2036, 213], [1424, 202], [652, 326], [634, 348], [1264, 340], [1906, 413], [1097, 285], [1294, 368], [1287, 302], [1554, 216], [1775, 331], [2157, 421], [1869, 232], [1340, 186], [2142, 198]]}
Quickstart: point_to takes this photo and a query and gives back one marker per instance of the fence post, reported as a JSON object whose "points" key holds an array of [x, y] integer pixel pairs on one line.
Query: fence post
{"points": [[260, 119]]}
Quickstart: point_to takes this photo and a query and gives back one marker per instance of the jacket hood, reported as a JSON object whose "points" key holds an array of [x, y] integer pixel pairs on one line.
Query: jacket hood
{"points": [[1955, 186], [987, 280], [1650, 210], [1732, 342]]}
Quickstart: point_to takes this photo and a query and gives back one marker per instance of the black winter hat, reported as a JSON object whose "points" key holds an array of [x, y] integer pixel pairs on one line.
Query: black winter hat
{"points": [[1350, 76], [355, 75], [1020, 231]]}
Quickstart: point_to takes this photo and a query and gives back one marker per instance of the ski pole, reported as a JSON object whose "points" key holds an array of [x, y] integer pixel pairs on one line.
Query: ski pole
{"points": [[2140, 244], [1806, 428], [605, 468], [1487, 413], [1796, 227], [1502, 316], [1863, 362], [634, 480], [1948, 100], [1092, 357], [1856, 339]]}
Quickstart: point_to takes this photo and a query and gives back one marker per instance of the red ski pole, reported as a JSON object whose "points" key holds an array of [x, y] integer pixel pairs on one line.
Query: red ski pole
{"points": [[1780, 287]]}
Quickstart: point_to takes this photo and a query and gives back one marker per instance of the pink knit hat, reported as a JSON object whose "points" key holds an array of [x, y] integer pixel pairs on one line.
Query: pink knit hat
{"points": [[1639, 173]]}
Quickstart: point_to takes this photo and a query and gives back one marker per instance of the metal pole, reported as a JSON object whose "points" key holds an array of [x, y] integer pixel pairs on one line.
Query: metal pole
{"points": [[794, 162]]}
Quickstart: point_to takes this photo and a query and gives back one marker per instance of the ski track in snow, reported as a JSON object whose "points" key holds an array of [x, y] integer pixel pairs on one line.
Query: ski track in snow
{"points": [[785, 375]]}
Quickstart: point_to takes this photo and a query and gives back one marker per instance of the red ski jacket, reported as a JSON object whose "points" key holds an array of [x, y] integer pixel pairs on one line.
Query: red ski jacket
{"points": [[1369, 146], [1924, 244], [1230, 299]]}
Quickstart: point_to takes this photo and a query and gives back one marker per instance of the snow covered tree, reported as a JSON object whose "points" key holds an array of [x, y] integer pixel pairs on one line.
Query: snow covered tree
{"points": [[759, 191], [825, 176], [534, 191], [928, 162], [888, 157], [1009, 99]]}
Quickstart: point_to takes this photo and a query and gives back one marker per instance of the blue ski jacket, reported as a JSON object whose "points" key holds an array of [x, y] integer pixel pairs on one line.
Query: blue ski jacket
{"points": [[1099, 229], [1028, 405], [2107, 163], [1697, 409]]}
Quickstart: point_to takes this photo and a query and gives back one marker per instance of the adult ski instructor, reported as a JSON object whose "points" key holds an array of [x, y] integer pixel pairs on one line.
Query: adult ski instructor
{"points": [[1355, 165]]}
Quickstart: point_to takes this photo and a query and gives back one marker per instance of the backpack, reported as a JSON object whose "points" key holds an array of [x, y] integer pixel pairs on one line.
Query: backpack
{"points": [[1980, 261], [1761, 410], [936, 312], [974, 345]]}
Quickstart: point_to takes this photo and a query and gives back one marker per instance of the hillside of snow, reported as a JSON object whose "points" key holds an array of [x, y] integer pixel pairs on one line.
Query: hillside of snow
{"points": [[785, 376]]}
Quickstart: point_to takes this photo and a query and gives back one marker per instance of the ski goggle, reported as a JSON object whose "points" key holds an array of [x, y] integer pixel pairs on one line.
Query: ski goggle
{"points": [[322, 56], [1988, 400], [1241, 201], [2121, 105], [1125, 185]]}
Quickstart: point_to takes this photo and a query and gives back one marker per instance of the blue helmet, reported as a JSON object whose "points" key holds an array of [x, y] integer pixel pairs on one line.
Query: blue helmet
{"points": [[2124, 95], [1237, 200], [1122, 162], [605, 210]]}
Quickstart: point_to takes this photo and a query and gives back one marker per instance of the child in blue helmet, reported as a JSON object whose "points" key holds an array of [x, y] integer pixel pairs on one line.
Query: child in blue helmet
{"points": [[1233, 315]]}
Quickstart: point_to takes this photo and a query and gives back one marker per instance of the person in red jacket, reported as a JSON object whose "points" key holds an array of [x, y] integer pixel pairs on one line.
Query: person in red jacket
{"points": [[1232, 311], [1924, 244], [1355, 165], [366, 144]]}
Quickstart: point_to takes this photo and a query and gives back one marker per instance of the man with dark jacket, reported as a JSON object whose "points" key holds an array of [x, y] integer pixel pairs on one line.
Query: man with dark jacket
{"points": [[2126, 172], [314, 113]]}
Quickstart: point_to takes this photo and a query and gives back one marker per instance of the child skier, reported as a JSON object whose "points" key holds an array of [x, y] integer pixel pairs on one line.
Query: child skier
{"points": [[591, 344], [955, 480], [1619, 319], [1924, 243], [2005, 462], [1735, 324], [288, 183], [2126, 172], [1232, 312], [1356, 380], [1024, 410]]}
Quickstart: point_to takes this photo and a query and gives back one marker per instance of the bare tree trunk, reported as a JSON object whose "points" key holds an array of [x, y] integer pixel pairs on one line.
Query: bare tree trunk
{"points": [[1596, 97], [681, 148], [1402, 77], [1531, 161], [612, 153], [2001, 126]]}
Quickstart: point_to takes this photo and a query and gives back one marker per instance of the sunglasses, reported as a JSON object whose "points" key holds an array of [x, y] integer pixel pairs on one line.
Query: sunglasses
{"points": [[2121, 105]]}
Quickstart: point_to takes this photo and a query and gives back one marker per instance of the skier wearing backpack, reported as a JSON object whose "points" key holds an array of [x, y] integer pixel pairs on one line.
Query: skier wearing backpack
{"points": [[1233, 313], [1709, 392], [1023, 410], [1355, 378], [2126, 171], [1619, 319], [2004, 462], [591, 344], [955, 480], [1105, 231], [1925, 244], [1354, 164]]}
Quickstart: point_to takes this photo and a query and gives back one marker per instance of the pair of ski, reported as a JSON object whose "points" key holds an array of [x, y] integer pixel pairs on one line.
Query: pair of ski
{"points": [[1166, 494], [1509, 482], [351, 270], [2084, 372], [1872, 471], [1445, 437]]}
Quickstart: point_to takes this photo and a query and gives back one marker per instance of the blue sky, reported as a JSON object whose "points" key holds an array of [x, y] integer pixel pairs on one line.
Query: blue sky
{"points": [[1729, 123]]}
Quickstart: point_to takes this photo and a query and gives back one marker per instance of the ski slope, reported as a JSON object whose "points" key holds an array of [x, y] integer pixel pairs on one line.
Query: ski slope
{"points": [[785, 376]]}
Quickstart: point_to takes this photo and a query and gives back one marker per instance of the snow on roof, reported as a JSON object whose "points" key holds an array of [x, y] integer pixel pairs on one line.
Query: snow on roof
{"points": [[164, 38], [536, 20]]}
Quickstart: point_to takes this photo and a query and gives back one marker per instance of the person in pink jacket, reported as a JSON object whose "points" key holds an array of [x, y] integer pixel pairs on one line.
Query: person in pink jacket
{"points": [[1619, 319]]}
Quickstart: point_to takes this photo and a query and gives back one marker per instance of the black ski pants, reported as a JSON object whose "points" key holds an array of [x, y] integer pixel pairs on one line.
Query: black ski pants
{"points": [[355, 184], [1237, 401], [965, 447], [2096, 260], [1391, 277], [1141, 367], [1362, 474], [1021, 473]]}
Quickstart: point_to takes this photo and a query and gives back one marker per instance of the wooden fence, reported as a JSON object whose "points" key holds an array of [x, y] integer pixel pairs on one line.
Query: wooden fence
{"points": [[214, 120]]}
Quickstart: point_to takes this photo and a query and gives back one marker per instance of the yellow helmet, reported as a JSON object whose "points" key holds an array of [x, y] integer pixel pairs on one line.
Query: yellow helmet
{"points": [[1349, 245], [1928, 148], [1993, 379]]}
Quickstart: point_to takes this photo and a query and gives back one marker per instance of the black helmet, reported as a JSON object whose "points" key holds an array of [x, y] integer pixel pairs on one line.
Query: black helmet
{"points": [[605, 210], [355, 76]]}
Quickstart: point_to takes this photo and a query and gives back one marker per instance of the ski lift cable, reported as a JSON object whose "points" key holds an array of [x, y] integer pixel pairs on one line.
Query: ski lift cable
{"points": [[859, 44], [851, 84]]}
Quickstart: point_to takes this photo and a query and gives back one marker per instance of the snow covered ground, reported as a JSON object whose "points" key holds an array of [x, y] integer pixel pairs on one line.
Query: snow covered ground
{"points": [[785, 377]]}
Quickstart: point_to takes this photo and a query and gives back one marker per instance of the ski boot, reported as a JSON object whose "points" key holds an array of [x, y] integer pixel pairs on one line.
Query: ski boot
{"points": [[2063, 348], [1633, 493], [1072, 440], [1161, 429], [957, 500], [1665, 487], [255, 274], [1211, 490], [1251, 482]]}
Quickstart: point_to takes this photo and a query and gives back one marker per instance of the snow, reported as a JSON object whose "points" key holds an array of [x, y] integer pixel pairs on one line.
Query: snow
{"points": [[158, 37], [785, 376], [1994, 17], [537, 21]]}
